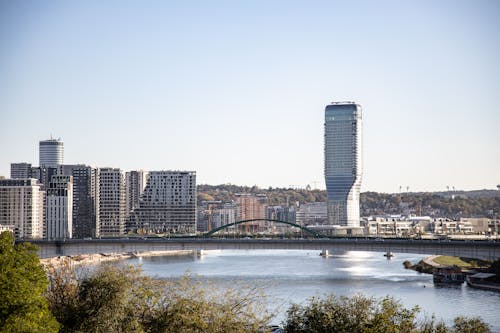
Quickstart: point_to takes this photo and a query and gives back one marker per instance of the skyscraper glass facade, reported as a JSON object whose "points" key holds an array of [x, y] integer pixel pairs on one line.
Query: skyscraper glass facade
{"points": [[343, 162], [51, 153]]}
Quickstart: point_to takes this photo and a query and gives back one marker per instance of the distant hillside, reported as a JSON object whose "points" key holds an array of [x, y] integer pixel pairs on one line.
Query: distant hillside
{"points": [[471, 194], [480, 203], [276, 196]]}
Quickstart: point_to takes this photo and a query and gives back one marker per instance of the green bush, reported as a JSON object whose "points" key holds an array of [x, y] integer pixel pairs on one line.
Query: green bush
{"points": [[361, 314], [120, 299]]}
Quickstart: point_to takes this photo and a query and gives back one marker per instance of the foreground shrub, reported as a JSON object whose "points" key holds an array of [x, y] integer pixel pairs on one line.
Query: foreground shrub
{"points": [[361, 314], [120, 299]]}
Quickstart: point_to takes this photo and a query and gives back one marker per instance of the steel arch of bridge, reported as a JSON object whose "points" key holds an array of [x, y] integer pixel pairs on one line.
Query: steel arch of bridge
{"points": [[312, 232]]}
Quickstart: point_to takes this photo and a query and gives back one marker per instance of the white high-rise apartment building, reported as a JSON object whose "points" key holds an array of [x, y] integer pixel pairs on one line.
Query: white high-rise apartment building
{"points": [[22, 207], [135, 183], [51, 153], [343, 162], [59, 208], [112, 211], [168, 204]]}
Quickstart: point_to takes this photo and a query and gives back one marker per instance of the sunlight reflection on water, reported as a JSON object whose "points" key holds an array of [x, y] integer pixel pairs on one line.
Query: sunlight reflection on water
{"points": [[294, 276]]}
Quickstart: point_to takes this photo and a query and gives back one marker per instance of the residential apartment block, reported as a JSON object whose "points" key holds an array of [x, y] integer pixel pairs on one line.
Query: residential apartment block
{"points": [[312, 213], [59, 208], [168, 204], [251, 207], [214, 214], [22, 207], [85, 199], [20, 170], [112, 211], [135, 182]]}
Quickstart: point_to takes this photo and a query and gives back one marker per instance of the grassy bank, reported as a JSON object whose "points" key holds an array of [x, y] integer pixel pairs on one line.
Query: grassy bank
{"points": [[463, 263], [428, 265]]}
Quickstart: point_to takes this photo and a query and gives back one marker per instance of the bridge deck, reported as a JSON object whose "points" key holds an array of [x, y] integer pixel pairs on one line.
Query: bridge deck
{"points": [[486, 250]]}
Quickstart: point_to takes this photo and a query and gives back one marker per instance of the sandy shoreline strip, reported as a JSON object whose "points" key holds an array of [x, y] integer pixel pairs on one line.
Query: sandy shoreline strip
{"points": [[92, 259]]}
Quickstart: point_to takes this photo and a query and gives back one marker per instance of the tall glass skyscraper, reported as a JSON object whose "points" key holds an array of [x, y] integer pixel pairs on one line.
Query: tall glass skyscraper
{"points": [[343, 162], [51, 153]]}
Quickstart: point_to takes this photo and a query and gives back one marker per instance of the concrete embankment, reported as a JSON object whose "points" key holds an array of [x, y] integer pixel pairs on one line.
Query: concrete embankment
{"points": [[92, 259], [430, 261]]}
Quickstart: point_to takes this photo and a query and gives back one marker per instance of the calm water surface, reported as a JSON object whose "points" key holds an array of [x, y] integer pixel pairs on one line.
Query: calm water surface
{"points": [[294, 276]]}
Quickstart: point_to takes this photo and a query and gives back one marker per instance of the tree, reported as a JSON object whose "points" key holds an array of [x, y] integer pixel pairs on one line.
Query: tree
{"points": [[361, 314], [192, 307], [344, 314], [120, 299], [23, 282], [331, 314], [470, 325]]}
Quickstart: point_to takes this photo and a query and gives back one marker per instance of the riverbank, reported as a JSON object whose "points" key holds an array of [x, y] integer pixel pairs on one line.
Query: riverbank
{"points": [[430, 263], [93, 259]]}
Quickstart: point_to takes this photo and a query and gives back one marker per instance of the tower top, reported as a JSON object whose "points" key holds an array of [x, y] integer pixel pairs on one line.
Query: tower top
{"points": [[343, 102]]}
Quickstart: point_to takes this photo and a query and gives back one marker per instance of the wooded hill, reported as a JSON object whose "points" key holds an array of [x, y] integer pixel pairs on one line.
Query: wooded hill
{"points": [[440, 204]]}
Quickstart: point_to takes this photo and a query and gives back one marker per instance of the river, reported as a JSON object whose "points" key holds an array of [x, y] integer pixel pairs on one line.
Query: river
{"points": [[293, 276]]}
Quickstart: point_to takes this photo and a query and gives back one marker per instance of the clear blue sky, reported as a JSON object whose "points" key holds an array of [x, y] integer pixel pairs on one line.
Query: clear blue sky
{"points": [[236, 90]]}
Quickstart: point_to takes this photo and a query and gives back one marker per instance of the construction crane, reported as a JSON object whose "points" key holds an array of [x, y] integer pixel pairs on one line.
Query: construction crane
{"points": [[315, 184]]}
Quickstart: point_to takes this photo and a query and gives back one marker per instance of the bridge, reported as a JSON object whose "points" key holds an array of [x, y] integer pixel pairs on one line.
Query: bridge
{"points": [[485, 250], [291, 224]]}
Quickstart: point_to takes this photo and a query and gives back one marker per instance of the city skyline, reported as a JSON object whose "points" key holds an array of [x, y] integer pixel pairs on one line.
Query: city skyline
{"points": [[237, 91]]}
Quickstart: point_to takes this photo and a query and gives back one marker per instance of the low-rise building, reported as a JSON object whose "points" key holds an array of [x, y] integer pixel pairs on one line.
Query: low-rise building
{"points": [[215, 214], [312, 213], [478, 224]]}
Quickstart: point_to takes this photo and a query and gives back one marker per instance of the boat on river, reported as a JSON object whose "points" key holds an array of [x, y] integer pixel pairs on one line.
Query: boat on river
{"points": [[448, 275], [483, 281]]}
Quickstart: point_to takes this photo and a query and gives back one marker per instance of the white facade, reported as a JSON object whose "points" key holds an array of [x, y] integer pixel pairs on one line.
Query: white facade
{"points": [[168, 204], [112, 211], [22, 207], [343, 162], [224, 215], [312, 213], [51, 153], [59, 208]]}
